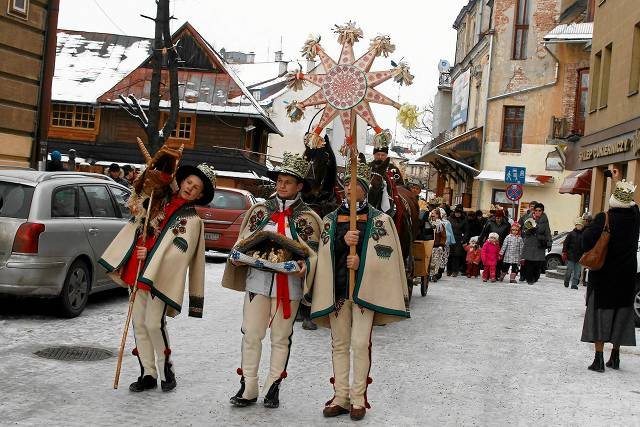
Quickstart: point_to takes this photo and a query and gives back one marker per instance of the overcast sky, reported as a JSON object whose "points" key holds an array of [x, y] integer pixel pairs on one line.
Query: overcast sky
{"points": [[421, 30]]}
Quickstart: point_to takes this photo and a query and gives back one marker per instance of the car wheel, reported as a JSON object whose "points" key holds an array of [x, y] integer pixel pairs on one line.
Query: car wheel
{"points": [[553, 262], [75, 291], [636, 302]]}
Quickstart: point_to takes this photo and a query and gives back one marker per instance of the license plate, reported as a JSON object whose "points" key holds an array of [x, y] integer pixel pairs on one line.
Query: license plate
{"points": [[211, 236]]}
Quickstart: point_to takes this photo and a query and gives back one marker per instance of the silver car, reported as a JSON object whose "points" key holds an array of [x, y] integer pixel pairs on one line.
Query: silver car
{"points": [[54, 226]]}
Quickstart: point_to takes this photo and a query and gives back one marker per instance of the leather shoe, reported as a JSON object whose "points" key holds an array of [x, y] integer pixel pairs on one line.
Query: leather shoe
{"points": [[334, 411], [143, 383], [240, 402], [357, 413]]}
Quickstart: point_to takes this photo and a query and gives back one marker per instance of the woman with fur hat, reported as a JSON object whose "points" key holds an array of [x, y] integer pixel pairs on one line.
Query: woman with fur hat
{"points": [[173, 246], [609, 316]]}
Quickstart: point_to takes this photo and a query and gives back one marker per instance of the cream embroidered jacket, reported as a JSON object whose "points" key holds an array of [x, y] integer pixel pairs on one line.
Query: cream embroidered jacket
{"points": [[180, 246]]}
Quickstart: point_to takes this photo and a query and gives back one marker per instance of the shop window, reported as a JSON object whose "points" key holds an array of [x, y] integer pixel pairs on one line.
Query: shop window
{"points": [[634, 77], [595, 87], [521, 29], [19, 8], [73, 116], [581, 101], [512, 126]]}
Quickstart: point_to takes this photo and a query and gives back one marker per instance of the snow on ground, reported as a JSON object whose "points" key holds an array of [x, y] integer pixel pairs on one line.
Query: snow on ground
{"points": [[472, 354]]}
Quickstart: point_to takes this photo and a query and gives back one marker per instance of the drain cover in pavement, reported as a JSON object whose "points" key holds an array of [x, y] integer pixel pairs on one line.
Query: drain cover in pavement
{"points": [[84, 354]]}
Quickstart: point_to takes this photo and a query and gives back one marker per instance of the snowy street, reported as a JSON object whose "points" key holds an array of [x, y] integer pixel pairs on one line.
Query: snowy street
{"points": [[473, 353]]}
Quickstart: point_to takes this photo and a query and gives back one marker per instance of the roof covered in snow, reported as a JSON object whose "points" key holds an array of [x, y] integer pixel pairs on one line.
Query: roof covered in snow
{"points": [[260, 72], [88, 65]]}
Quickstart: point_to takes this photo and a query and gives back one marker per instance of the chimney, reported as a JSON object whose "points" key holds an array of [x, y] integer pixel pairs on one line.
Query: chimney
{"points": [[251, 57], [278, 56], [310, 65]]}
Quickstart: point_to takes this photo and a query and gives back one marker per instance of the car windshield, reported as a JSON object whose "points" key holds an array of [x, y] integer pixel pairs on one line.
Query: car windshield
{"points": [[227, 200], [15, 200]]}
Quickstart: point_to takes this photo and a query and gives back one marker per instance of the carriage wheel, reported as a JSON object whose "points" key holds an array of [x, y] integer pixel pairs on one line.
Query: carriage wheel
{"points": [[424, 286]]}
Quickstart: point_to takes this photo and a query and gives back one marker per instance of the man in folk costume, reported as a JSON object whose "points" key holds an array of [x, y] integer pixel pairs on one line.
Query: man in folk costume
{"points": [[381, 154], [379, 295], [174, 243], [272, 299]]}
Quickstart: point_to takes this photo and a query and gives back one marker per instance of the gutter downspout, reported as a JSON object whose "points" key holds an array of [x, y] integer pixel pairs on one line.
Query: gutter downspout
{"points": [[38, 158]]}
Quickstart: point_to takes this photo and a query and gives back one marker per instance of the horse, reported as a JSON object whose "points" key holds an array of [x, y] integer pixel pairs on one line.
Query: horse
{"points": [[322, 178], [406, 217]]}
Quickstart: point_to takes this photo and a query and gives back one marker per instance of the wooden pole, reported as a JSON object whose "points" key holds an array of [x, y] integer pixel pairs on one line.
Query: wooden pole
{"points": [[353, 183], [132, 298]]}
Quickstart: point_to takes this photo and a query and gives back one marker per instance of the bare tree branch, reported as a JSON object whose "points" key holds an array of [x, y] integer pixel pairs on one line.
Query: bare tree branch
{"points": [[422, 134]]}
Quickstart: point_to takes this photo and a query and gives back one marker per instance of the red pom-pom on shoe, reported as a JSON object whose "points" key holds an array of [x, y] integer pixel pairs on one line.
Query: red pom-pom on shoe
{"points": [[332, 380], [239, 371], [369, 380], [167, 351], [283, 374], [135, 351]]}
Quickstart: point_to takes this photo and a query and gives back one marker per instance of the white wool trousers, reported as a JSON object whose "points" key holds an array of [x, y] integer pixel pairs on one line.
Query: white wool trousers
{"points": [[258, 312], [150, 332], [351, 328]]}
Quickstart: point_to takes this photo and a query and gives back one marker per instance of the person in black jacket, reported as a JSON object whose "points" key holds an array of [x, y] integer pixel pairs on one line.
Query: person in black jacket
{"points": [[609, 316], [571, 253], [476, 222], [457, 253], [55, 164]]}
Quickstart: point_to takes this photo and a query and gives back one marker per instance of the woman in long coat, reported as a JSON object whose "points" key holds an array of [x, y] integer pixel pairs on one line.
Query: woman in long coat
{"points": [[438, 255], [460, 229], [536, 235], [609, 316]]}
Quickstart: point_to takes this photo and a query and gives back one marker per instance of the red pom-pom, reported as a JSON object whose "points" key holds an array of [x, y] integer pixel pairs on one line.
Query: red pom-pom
{"points": [[332, 380], [369, 380], [283, 374], [239, 371], [135, 351], [167, 351]]}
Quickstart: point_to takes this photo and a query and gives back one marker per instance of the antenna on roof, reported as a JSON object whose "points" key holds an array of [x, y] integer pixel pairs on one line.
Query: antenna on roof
{"points": [[280, 43]]}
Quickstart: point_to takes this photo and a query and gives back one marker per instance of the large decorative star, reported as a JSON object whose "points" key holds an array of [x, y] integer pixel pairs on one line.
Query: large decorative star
{"points": [[348, 85]]}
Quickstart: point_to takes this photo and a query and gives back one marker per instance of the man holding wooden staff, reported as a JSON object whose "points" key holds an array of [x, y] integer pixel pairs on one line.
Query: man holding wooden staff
{"points": [[378, 295], [159, 261]]}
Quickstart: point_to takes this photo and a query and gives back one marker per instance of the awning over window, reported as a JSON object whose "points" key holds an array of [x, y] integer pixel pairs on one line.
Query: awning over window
{"points": [[570, 33], [489, 175], [578, 182]]}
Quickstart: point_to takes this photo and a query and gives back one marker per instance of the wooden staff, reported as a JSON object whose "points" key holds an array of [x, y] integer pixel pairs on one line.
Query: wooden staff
{"points": [[132, 298], [353, 183]]}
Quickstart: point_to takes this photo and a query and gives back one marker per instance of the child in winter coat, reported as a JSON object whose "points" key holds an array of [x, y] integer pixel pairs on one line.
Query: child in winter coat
{"points": [[473, 257], [511, 253], [490, 255]]}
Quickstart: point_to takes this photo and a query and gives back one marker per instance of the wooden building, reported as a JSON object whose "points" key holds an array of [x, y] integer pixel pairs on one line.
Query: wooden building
{"points": [[219, 121], [24, 29]]}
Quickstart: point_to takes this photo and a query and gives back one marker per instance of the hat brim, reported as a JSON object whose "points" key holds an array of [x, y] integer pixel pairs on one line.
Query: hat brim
{"points": [[207, 192], [273, 176]]}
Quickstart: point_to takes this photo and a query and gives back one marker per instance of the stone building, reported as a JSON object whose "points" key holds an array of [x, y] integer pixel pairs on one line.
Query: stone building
{"points": [[612, 133], [515, 101]]}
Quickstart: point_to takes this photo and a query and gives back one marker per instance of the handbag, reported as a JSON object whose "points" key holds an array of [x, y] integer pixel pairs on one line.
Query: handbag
{"points": [[593, 259]]}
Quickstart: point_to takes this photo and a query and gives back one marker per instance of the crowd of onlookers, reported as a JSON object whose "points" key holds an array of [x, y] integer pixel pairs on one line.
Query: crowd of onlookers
{"points": [[124, 175], [496, 245]]}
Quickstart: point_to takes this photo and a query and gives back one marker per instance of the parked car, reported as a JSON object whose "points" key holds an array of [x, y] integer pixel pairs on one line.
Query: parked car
{"points": [[54, 226], [554, 256], [223, 217]]}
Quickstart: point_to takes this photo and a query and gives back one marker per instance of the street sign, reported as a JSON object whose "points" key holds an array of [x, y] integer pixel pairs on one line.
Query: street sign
{"points": [[514, 175], [514, 192]]}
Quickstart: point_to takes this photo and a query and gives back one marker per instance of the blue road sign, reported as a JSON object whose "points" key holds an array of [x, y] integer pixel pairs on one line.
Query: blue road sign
{"points": [[514, 175]]}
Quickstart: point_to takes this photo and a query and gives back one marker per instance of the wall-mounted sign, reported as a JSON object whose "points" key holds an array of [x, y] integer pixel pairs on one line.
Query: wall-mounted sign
{"points": [[460, 99], [622, 148]]}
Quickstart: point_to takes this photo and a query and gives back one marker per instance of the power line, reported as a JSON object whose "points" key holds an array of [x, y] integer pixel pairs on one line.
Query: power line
{"points": [[109, 18]]}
